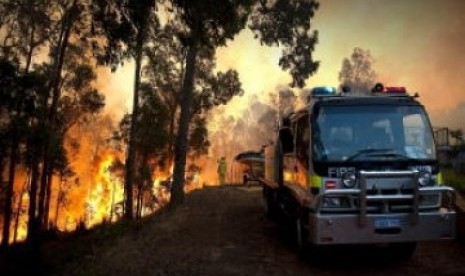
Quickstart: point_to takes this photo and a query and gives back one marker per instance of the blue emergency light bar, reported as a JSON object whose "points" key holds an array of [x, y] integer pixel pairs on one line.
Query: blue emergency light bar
{"points": [[324, 91]]}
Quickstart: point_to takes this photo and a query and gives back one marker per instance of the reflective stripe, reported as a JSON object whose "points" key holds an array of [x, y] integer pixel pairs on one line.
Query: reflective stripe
{"points": [[316, 181], [440, 179]]}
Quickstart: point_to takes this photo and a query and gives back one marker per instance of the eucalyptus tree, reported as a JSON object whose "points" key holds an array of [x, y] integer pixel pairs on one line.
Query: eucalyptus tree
{"points": [[27, 26], [198, 138], [208, 25], [69, 19], [71, 71], [18, 92], [125, 27], [165, 70], [60, 31], [150, 140], [79, 102]]}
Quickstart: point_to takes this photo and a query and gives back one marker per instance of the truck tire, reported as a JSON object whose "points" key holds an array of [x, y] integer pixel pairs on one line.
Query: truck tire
{"points": [[402, 251], [301, 235], [269, 202]]}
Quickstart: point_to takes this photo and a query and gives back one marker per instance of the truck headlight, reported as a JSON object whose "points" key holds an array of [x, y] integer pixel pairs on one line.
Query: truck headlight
{"points": [[348, 179], [424, 178]]}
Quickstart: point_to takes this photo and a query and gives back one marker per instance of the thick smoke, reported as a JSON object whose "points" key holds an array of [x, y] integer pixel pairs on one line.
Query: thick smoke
{"points": [[250, 130]]}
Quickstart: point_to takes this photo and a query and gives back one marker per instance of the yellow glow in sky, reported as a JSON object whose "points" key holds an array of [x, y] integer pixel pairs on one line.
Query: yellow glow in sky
{"points": [[418, 44]]}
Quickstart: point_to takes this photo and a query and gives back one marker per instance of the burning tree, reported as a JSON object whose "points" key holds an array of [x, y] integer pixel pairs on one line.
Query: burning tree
{"points": [[18, 94], [48, 99], [125, 27], [62, 80], [150, 141]]}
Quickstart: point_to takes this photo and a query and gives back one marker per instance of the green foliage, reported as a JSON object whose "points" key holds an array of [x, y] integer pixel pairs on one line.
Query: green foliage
{"points": [[119, 23], [165, 72], [79, 100], [152, 122], [287, 23], [20, 95], [198, 142], [218, 89], [27, 26], [210, 25], [152, 125], [274, 22]]}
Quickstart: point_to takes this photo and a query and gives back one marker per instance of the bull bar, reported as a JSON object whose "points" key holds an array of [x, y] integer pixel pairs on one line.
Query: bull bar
{"points": [[416, 225]]}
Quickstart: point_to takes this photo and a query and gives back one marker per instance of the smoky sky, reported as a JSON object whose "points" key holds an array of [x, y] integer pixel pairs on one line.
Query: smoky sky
{"points": [[417, 44]]}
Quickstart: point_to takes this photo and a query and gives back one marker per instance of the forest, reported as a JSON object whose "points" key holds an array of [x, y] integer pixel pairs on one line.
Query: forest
{"points": [[64, 163]]}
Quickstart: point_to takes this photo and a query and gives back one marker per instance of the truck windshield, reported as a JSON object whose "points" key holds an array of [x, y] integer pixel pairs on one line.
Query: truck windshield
{"points": [[372, 133]]}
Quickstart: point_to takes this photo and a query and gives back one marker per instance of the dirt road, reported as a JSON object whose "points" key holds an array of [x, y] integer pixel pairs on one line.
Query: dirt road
{"points": [[222, 231]]}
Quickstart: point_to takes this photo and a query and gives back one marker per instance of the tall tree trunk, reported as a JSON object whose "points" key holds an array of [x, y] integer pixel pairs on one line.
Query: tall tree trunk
{"points": [[9, 192], [33, 223], [31, 49], [112, 204], [130, 159], [18, 209], [138, 202], [56, 91], [58, 204], [48, 196], [180, 151], [171, 135]]}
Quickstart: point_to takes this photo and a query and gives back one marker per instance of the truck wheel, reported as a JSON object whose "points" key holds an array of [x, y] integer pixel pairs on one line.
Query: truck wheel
{"points": [[269, 203], [299, 239], [402, 251], [301, 235]]}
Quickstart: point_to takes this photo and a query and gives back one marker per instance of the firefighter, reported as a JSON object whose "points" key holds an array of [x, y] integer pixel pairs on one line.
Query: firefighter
{"points": [[221, 170]]}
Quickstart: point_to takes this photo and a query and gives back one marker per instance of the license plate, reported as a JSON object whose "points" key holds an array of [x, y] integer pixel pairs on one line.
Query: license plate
{"points": [[387, 222]]}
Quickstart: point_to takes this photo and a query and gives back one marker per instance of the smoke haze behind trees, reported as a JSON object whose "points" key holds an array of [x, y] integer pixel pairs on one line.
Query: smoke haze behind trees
{"points": [[253, 128], [418, 44]]}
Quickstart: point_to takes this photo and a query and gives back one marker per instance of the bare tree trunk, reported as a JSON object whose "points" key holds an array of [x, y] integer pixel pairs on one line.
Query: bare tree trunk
{"points": [[112, 204], [9, 193], [138, 204], [171, 135], [56, 91], [18, 209], [58, 204], [33, 224], [180, 151], [31, 49], [48, 198], [130, 159]]}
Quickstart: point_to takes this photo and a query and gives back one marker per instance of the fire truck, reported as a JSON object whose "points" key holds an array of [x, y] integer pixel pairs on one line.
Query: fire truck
{"points": [[358, 169]]}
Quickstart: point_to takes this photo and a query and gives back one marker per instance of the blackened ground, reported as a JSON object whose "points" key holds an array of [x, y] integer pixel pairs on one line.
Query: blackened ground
{"points": [[222, 231]]}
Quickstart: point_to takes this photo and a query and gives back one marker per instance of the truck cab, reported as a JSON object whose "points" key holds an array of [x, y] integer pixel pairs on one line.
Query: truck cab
{"points": [[358, 169]]}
